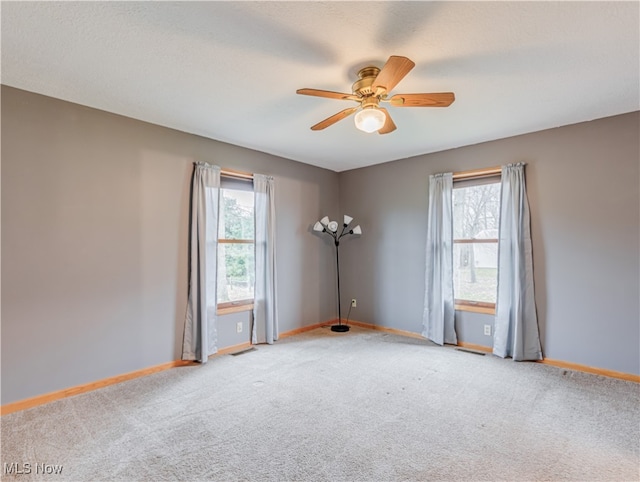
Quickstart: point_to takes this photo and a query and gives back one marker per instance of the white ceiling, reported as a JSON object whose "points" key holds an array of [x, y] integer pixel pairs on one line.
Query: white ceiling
{"points": [[229, 70]]}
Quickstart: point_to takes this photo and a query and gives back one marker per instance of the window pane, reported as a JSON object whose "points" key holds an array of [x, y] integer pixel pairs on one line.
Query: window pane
{"points": [[236, 272], [236, 269], [475, 271], [236, 215], [476, 211]]}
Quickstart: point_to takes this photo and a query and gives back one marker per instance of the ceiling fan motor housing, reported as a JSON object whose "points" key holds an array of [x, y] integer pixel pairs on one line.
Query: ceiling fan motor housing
{"points": [[362, 86]]}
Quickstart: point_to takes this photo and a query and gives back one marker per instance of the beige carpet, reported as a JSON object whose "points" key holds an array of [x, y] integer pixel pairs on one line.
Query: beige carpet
{"points": [[362, 406]]}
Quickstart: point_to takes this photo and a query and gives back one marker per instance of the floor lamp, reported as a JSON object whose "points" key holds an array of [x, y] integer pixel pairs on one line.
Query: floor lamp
{"points": [[331, 228]]}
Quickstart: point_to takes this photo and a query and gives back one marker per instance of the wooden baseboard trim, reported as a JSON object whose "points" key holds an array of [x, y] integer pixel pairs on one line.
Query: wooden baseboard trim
{"points": [[231, 349], [87, 387], [473, 346], [297, 331], [385, 329], [487, 349], [630, 377]]}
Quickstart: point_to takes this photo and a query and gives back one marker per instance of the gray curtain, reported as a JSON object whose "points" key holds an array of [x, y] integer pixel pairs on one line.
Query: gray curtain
{"points": [[200, 336], [438, 316], [265, 307], [516, 324]]}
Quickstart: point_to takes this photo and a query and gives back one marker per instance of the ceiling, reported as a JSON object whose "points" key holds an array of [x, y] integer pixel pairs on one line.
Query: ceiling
{"points": [[229, 70]]}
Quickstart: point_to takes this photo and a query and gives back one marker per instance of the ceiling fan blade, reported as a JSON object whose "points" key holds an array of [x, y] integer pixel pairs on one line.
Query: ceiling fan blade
{"points": [[389, 125], [393, 72], [439, 99], [328, 94], [334, 118]]}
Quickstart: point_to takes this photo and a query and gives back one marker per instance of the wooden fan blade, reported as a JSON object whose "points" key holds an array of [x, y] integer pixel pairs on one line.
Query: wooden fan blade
{"points": [[393, 72], [328, 94], [440, 99], [334, 118], [389, 125]]}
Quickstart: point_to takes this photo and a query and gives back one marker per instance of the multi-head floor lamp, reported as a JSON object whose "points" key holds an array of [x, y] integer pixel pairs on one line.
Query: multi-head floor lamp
{"points": [[331, 228]]}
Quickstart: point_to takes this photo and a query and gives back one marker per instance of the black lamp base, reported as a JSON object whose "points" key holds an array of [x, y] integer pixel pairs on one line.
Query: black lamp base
{"points": [[339, 328]]}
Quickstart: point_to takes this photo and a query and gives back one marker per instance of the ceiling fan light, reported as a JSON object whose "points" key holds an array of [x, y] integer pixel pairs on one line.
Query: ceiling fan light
{"points": [[370, 119]]}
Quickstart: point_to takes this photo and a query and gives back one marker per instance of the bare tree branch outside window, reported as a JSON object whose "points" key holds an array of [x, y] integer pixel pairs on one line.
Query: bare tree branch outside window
{"points": [[476, 218]]}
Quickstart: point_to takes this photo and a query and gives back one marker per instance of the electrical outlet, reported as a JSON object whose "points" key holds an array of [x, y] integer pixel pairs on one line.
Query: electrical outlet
{"points": [[354, 303], [487, 330], [239, 327]]}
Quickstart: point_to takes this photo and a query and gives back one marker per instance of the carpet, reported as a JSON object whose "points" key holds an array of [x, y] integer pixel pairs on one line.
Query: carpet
{"points": [[324, 406]]}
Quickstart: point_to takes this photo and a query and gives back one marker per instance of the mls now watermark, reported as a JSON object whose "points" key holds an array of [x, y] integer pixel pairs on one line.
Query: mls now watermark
{"points": [[17, 468]]}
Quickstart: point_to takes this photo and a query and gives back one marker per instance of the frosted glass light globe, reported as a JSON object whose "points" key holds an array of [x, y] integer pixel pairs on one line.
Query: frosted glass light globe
{"points": [[370, 119]]}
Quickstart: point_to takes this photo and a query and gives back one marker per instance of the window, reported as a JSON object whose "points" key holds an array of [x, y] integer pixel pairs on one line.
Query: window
{"points": [[476, 218], [236, 240]]}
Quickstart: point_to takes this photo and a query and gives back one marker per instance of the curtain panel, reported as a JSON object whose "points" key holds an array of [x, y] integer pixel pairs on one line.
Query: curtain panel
{"points": [[200, 336], [265, 309], [438, 316], [516, 323]]}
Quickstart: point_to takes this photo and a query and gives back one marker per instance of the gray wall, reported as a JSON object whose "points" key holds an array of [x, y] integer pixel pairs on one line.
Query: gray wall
{"points": [[95, 242], [583, 187], [95, 233]]}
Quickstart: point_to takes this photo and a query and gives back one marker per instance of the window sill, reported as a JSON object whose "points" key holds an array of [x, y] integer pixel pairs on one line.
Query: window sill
{"points": [[234, 309], [476, 309]]}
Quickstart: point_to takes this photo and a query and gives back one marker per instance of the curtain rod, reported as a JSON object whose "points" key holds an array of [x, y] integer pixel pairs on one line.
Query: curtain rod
{"points": [[236, 174], [477, 173]]}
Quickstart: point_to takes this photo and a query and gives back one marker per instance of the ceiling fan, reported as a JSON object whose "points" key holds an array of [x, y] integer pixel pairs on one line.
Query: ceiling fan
{"points": [[372, 88]]}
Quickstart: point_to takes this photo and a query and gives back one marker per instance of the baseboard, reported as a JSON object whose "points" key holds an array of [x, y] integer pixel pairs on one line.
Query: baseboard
{"points": [[630, 377], [297, 331], [473, 346], [88, 387], [231, 349], [393, 331]]}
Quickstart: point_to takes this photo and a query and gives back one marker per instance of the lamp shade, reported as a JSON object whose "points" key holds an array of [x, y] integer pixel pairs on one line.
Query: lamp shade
{"points": [[347, 219], [370, 119], [356, 230], [325, 220], [318, 226], [332, 226]]}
